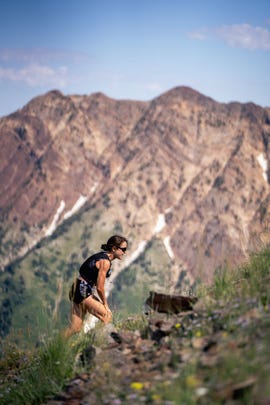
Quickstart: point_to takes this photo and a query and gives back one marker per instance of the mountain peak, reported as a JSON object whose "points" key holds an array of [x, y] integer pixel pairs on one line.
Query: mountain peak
{"points": [[200, 164]]}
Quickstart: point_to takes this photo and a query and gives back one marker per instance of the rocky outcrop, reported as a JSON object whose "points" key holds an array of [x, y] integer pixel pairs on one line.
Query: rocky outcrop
{"points": [[170, 304], [57, 153]]}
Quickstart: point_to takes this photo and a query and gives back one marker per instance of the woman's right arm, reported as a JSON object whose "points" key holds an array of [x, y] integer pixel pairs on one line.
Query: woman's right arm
{"points": [[103, 266]]}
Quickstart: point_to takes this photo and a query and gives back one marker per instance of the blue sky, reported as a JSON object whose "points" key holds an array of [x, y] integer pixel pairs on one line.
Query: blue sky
{"points": [[134, 49]]}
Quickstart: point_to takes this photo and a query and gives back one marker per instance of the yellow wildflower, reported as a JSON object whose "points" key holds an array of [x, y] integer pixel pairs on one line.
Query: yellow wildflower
{"points": [[177, 325], [106, 366], [198, 333], [136, 385], [192, 381], [166, 383], [156, 398]]}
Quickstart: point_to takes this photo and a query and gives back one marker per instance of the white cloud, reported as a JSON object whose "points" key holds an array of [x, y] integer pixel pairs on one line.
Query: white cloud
{"points": [[198, 35], [245, 36], [154, 86], [237, 35], [40, 55], [36, 75], [40, 67]]}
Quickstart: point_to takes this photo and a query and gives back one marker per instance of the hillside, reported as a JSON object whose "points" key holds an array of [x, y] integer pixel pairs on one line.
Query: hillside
{"points": [[184, 177], [215, 353]]}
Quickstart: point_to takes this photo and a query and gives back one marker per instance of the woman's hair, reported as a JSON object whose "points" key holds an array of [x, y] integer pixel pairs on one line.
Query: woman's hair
{"points": [[114, 240]]}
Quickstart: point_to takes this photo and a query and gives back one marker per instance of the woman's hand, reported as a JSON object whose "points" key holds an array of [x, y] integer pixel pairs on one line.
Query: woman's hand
{"points": [[107, 308]]}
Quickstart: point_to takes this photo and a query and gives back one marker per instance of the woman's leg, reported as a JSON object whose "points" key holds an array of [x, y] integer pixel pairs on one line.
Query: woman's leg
{"points": [[76, 321], [96, 308]]}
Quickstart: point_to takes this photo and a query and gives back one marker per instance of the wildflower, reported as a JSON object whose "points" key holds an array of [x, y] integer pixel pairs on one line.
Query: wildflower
{"points": [[201, 391], [177, 325], [198, 333], [136, 385], [116, 401], [106, 366], [132, 397], [156, 397], [192, 381]]}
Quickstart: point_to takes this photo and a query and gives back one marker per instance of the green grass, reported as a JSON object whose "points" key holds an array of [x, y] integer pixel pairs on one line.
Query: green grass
{"points": [[30, 378]]}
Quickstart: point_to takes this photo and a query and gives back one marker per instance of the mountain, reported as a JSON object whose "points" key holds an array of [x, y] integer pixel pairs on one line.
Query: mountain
{"points": [[56, 153], [184, 177]]}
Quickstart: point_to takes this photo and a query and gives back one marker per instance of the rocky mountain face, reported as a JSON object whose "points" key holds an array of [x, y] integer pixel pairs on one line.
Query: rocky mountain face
{"points": [[56, 153], [184, 168]]}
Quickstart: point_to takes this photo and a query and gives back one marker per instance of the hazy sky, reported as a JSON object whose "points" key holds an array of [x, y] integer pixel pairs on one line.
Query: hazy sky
{"points": [[134, 49]]}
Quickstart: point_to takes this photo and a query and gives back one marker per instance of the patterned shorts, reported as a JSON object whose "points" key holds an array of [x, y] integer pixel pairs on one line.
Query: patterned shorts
{"points": [[80, 290]]}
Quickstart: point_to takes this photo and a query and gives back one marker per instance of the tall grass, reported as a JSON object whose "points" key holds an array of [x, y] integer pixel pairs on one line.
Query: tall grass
{"points": [[43, 373]]}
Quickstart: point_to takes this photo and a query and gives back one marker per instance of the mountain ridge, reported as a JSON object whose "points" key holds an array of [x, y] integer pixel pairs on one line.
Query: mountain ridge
{"points": [[96, 134], [183, 177]]}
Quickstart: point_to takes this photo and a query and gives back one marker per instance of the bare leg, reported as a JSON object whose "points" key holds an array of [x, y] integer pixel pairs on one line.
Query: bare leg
{"points": [[96, 308], [77, 317]]}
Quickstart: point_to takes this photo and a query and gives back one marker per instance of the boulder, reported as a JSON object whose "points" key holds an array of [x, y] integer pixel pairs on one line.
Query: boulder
{"points": [[170, 304]]}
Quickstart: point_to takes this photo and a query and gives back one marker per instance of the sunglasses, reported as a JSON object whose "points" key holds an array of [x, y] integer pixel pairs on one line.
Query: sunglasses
{"points": [[124, 249]]}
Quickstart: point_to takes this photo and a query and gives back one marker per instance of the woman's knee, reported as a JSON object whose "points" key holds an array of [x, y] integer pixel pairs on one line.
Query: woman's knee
{"points": [[108, 317]]}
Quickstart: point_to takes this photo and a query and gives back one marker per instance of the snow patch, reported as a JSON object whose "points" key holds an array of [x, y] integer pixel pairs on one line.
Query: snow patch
{"points": [[136, 253], [167, 245], [264, 165], [78, 204], [127, 262], [93, 189], [56, 217], [161, 223]]}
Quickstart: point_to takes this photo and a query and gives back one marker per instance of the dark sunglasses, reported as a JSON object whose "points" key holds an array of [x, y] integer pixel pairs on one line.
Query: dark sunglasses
{"points": [[124, 249]]}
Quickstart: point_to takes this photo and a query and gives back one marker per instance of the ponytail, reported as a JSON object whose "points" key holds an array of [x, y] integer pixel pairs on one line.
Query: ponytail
{"points": [[114, 240]]}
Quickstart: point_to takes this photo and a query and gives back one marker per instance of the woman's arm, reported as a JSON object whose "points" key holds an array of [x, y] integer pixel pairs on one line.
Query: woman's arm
{"points": [[103, 266]]}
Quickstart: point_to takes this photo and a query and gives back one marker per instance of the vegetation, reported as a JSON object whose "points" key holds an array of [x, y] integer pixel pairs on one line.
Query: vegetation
{"points": [[216, 354], [27, 378], [37, 286]]}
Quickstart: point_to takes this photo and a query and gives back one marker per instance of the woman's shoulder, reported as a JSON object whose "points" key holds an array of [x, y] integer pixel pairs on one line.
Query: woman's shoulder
{"points": [[101, 255]]}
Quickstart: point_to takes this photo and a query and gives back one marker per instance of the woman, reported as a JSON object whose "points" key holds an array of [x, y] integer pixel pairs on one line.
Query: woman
{"points": [[93, 273]]}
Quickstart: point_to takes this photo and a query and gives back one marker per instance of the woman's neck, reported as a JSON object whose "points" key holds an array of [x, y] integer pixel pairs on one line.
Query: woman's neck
{"points": [[110, 256]]}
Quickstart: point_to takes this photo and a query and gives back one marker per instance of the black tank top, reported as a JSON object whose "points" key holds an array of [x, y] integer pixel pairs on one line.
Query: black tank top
{"points": [[89, 270]]}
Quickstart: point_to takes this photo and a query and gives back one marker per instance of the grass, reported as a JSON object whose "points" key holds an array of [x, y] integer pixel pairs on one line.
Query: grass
{"points": [[233, 312], [28, 378]]}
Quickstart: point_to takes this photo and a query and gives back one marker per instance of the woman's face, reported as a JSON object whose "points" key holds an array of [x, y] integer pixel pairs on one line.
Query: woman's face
{"points": [[119, 251]]}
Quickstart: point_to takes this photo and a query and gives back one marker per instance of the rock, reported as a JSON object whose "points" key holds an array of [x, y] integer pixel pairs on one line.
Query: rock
{"points": [[160, 326], [87, 355], [170, 304], [230, 391], [126, 339]]}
